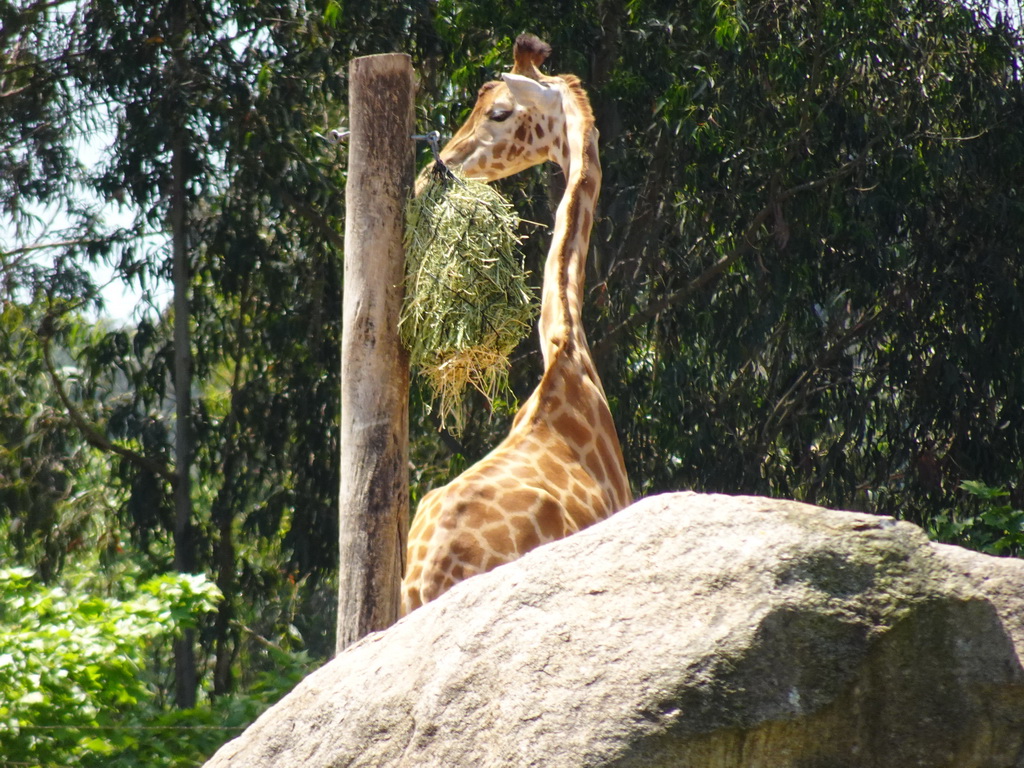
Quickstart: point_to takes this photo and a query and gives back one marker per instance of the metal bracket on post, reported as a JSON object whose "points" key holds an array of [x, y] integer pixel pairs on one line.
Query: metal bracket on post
{"points": [[440, 170], [433, 138]]}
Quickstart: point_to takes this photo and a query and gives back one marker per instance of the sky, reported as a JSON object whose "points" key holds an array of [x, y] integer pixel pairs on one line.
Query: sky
{"points": [[122, 303]]}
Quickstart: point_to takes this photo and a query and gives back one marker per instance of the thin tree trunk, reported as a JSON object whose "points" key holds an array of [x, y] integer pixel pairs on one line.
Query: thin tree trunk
{"points": [[225, 556], [184, 544], [223, 513], [374, 493]]}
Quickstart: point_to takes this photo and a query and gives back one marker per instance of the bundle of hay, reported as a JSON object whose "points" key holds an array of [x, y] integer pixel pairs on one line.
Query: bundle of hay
{"points": [[467, 303]]}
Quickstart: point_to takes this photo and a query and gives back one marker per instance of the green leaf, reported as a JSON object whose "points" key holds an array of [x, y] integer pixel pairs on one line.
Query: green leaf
{"points": [[332, 13], [983, 491]]}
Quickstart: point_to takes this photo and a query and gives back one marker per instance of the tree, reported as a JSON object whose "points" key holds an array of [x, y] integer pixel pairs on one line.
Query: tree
{"points": [[214, 150], [42, 455]]}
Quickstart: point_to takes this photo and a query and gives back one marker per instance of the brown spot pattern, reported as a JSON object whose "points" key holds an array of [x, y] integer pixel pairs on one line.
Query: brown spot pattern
{"points": [[498, 539], [466, 549], [525, 533], [549, 520], [586, 221], [573, 429], [518, 501]]}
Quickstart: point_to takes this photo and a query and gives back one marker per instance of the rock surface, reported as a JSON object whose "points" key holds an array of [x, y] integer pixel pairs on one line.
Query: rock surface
{"points": [[687, 630]]}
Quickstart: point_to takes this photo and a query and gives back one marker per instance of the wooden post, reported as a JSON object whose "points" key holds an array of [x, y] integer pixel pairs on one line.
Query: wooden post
{"points": [[374, 496]]}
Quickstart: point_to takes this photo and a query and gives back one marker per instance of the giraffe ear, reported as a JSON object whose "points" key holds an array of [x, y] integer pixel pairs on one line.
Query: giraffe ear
{"points": [[529, 92]]}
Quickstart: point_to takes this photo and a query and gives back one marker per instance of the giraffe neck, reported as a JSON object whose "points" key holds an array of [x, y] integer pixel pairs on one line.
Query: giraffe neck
{"points": [[561, 326]]}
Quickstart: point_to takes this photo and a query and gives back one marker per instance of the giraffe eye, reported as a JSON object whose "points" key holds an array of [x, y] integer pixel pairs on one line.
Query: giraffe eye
{"points": [[499, 114]]}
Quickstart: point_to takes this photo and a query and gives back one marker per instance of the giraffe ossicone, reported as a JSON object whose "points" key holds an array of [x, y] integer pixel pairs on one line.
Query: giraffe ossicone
{"points": [[560, 469]]}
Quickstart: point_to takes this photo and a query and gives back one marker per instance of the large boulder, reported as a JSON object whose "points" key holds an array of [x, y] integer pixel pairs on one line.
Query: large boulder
{"points": [[687, 630]]}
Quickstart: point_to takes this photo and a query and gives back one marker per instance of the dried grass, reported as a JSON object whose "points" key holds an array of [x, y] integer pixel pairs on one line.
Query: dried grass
{"points": [[467, 302]]}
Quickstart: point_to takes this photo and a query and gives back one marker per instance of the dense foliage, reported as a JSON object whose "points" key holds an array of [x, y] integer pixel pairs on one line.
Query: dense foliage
{"points": [[74, 665], [805, 278], [86, 672]]}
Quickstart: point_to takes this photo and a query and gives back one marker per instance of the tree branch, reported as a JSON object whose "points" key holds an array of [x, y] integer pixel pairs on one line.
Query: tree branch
{"points": [[313, 216], [825, 358], [747, 243], [25, 249], [92, 435]]}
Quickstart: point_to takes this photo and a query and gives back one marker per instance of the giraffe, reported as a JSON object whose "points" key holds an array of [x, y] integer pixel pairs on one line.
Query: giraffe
{"points": [[560, 468]]}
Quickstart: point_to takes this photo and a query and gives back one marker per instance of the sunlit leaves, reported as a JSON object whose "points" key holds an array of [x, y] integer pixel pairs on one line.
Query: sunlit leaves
{"points": [[332, 13], [74, 663]]}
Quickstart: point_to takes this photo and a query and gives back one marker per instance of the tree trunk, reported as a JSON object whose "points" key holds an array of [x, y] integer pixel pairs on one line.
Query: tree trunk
{"points": [[222, 512], [374, 493], [184, 544], [225, 557]]}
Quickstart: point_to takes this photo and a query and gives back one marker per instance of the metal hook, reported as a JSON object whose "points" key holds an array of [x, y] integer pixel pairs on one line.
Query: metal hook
{"points": [[337, 135], [334, 136], [433, 140], [440, 170]]}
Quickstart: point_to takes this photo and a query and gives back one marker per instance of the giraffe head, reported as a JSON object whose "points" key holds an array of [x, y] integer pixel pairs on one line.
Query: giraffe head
{"points": [[517, 122]]}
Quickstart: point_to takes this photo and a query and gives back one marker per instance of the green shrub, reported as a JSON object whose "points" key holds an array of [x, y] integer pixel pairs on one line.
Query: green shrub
{"points": [[76, 682], [990, 524]]}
